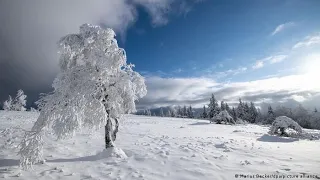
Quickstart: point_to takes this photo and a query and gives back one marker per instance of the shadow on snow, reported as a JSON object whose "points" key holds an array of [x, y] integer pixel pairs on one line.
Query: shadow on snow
{"points": [[199, 123], [269, 138]]}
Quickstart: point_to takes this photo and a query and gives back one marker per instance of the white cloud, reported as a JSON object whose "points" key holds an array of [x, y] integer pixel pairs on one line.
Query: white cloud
{"points": [[197, 91], [270, 60], [258, 65], [308, 41], [277, 59], [282, 27]]}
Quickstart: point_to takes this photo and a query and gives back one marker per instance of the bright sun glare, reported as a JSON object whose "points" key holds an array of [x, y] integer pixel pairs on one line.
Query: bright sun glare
{"points": [[312, 66]]}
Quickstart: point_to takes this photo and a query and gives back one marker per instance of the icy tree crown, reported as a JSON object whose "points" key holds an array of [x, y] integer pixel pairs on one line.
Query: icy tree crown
{"points": [[95, 83], [94, 78]]}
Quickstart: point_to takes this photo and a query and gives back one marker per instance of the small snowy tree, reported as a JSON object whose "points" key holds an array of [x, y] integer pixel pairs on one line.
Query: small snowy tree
{"points": [[213, 107], [184, 111], [161, 112], [253, 113], [282, 123], [7, 105], [240, 110], [19, 103], [190, 112], [204, 113], [270, 116], [94, 87]]}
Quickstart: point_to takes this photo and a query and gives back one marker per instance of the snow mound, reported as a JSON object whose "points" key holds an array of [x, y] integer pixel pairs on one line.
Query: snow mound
{"points": [[223, 116], [284, 122], [111, 152]]}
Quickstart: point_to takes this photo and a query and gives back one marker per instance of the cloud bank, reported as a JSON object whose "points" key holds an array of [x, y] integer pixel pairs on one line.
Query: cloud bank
{"points": [[197, 91]]}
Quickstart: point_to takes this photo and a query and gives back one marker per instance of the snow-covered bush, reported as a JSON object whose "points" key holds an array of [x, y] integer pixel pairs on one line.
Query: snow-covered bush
{"points": [[223, 116], [7, 105], [94, 87], [282, 123]]}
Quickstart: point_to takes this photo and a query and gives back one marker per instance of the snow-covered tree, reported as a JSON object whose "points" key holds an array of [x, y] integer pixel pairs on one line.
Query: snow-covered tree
{"points": [[148, 112], [302, 116], [179, 112], [228, 108], [161, 112], [240, 110], [95, 87], [234, 113], [253, 113], [173, 112], [168, 114], [184, 111], [7, 105], [270, 116], [19, 102], [246, 110], [223, 116], [213, 107], [204, 113], [223, 106], [282, 123], [190, 112]]}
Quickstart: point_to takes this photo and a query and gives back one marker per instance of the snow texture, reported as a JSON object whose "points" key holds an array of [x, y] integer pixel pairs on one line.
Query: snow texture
{"points": [[158, 148]]}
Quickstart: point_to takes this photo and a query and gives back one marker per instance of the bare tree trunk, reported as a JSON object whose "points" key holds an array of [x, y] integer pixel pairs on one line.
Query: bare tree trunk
{"points": [[115, 131], [108, 134]]}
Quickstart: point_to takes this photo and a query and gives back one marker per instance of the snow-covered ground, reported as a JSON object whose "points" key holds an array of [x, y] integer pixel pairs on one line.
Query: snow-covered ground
{"points": [[161, 148]]}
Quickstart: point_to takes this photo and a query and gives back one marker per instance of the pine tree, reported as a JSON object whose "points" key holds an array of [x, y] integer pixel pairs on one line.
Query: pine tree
{"points": [[228, 108], [204, 113], [247, 114], [190, 112], [223, 106], [179, 113], [234, 113], [213, 107], [240, 110], [168, 114], [315, 110], [184, 111], [253, 113], [148, 112], [161, 112], [270, 116]]}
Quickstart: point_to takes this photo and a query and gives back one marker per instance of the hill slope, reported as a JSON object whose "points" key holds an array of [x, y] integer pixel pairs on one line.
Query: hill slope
{"points": [[161, 148]]}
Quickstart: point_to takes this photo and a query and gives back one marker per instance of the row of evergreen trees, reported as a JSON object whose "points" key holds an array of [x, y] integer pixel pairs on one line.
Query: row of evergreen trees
{"points": [[243, 111], [185, 112]]}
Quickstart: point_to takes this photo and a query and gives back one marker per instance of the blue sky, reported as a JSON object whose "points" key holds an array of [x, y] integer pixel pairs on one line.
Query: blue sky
{"points": [[257, 50], [216, 36]]}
